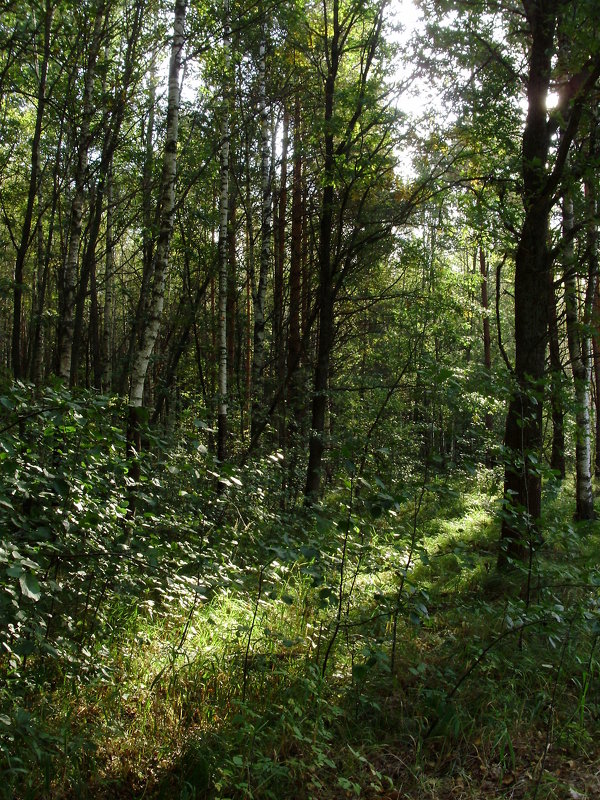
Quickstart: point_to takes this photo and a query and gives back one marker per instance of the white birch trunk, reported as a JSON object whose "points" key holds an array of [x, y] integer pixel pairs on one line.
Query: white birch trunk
{"points": [[166, 216], [258, 361]]}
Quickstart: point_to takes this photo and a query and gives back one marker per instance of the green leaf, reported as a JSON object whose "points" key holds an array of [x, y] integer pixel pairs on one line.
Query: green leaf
{"points": [[30, 586]]}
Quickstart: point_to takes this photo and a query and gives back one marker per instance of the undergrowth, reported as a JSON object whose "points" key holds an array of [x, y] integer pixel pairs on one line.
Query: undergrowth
{"points": [[227, 644]]}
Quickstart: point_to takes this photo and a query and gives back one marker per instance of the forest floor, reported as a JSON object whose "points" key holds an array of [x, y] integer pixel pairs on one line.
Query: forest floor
{"points": [[403, 668]]}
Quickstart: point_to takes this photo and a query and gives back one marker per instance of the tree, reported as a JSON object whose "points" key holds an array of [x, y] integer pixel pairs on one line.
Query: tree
{"points": [[579, 342], [223, 260], [165, 222], [69, 275], [340, 54], [533, 259], [33, 191]]}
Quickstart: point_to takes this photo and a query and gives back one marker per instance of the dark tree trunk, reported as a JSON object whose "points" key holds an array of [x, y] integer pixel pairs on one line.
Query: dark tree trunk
{"points": [[557, 458], [34, 177], [596, 346], [295, 279], [326, 289], [523, 434]]}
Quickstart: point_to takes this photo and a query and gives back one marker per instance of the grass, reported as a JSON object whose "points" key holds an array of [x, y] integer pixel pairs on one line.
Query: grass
{"points": [[492, 694]]}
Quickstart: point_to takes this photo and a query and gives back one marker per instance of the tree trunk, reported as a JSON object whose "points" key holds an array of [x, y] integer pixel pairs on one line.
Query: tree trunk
{"points": [[258, 358], [67, 321], [167, 211], [326, 289], [557, 458], [295, 280], [487, 342], [523, 433], [329, 263], [223, 246], [148, 232], [278, 307], [107, 337], [579, 353], [34, 181], [596, 350]]}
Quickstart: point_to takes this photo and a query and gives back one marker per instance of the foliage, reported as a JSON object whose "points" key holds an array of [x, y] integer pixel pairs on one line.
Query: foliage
{"points": [[221, 645]]}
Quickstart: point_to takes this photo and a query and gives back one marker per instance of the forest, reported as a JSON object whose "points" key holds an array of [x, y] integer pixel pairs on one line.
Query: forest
{"points": [[299, 399]]}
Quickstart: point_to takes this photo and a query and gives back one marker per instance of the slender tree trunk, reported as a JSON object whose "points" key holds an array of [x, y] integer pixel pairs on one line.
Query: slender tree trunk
{"points": [[38, 301], [326, 288], [223, 245], [278, 309], [149, 333], [487, 342], [590, 186], [87, 276], [557, 458], [258, 358], [34, 179], [37, 348], [231, 289], [67, 322], [107, 331], [148, 232], [167, 210], [329, 263], [579, 353], [294, 338], [596, 351]]}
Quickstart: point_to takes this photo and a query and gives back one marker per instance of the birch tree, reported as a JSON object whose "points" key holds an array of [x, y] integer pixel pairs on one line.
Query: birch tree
{"points": [[166, 214], [258, 358]]}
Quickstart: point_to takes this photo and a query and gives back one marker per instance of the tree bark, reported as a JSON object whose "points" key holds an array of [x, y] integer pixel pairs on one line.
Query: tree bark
{"points": [[69, 288], [579, 354], [258, 356], [34, 181], [328, 263], [596, 351], [107, 329], [295, 279], [523, 433], [223, 245], [278, 303], [167, 211], [487, 341], [557, 457], [326, 288]]}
